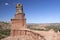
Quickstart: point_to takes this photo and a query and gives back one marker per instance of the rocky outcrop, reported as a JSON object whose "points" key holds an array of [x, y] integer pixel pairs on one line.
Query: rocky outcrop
{"points": [[35, 35], [26, 35]]}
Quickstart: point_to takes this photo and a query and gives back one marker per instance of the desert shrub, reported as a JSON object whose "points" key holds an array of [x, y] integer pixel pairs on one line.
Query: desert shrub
{"points": [[56, 28], [4, 33]]}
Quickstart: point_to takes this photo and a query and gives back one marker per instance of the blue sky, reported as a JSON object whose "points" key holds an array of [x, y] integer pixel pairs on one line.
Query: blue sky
{"points": [[36, 11]]}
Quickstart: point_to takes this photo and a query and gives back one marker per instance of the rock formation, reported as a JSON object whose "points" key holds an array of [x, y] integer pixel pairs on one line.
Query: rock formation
{"points": [[19, 29]]}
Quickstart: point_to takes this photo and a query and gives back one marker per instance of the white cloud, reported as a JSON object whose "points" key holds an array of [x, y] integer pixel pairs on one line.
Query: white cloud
{"points": [[6, 4]]}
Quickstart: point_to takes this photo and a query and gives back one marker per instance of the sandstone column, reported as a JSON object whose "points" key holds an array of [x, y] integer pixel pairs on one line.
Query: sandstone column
{"points": [[18, 22]]}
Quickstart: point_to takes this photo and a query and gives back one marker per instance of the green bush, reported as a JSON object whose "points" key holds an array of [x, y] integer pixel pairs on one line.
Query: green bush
{"points": [[52, 27], [4, 33]]}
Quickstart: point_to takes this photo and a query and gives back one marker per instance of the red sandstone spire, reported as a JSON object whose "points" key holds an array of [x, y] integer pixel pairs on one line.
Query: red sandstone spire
{"points": [[19, 21]]}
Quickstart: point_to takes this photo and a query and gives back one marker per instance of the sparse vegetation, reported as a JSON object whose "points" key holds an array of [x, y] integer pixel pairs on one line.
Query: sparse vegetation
{"points": [[4, 30], [4, 33], [56, 28]]}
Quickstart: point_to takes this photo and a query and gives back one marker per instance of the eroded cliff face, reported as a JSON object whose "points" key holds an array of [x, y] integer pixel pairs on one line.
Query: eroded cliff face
{"points": [[26, 35], [35, 35]]}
